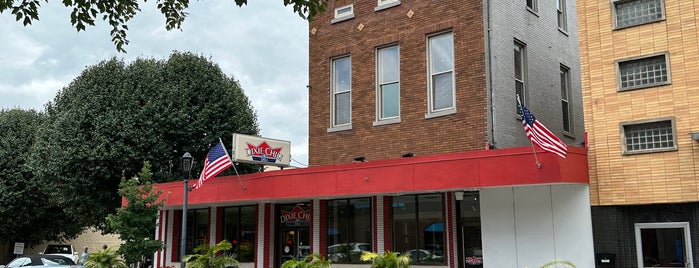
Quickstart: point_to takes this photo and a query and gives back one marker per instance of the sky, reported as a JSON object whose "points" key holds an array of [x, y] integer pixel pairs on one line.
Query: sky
{"points": [[263, 45]]}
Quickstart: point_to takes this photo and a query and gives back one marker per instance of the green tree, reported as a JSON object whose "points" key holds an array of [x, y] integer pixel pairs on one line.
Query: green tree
{"points": [[23, 205], [136, 221], [211, 256], [118, 13], [114, 116]]}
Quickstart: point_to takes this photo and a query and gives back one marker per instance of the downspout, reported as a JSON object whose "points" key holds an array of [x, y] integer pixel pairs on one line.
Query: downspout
{"points": [[489, 77]]}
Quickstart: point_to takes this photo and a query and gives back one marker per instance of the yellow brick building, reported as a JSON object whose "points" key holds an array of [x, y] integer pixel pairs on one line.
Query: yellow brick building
{"points": [[640, 83]]}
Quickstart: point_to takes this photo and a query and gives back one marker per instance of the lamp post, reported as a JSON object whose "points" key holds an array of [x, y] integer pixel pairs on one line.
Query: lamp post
{"points": [[186, 161]]}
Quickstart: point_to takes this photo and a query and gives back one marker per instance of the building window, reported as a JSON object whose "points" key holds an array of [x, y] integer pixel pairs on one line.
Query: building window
{"points": [[565, 98], [441, 95], [197, 229], [520, 73], [341, 85], [663, 244], [562, 18], [637, 12], [384, 4], [343, 13], [532, 5], [418, 227], [388, 84], [239, 229], [349, 229], [649, 136], [643, 72]]}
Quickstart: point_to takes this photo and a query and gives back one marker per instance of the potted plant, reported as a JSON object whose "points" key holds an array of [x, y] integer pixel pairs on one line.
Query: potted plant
{"points": [[107, 258], [557, 263], [310, 261], [387, 260], [208, 257]]}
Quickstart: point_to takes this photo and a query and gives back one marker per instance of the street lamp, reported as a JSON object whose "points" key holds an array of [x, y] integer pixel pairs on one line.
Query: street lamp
{"points": [[186, 161]]}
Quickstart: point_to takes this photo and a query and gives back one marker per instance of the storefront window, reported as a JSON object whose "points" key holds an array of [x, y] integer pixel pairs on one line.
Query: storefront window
{"points": [[418, 227], [239, 229], [197, 229], [349, 229]]}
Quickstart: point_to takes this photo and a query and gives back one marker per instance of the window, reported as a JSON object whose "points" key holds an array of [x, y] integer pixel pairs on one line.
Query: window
{"points": [[565, 98], [532, 5], [197, 229], [384, 4], [637, 12], [663, 244], [388, 89], [520, 73], [418, 227], [239, 229], [643, 72], [343, 13], [649, 136], [441, 95], [562, 18], [341, 92], [349, 229]]}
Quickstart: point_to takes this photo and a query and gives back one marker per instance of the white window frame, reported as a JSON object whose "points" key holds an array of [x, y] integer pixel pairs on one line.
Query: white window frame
{"points": [[384, 4], [334, 126], [618, 63], [523, 71], [646, 151], [562, 15], [380, 120], [342, 16], [615, 23], [664, 225], [534, 6], [431, 111], [565, 99]]}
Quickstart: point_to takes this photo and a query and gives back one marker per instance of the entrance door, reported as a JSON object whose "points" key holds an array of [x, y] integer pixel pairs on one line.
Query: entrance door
{"points": [[293, 238], [663, 244], [470, 250]]}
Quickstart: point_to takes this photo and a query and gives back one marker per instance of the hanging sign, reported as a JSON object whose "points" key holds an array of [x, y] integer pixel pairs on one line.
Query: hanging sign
{"points": [[259, 150], [296, 217]]}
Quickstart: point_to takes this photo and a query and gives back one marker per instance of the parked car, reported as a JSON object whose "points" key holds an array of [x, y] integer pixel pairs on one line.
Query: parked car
{"points": [[339, 252], [424, 255], [42, 260], [67, 251]]}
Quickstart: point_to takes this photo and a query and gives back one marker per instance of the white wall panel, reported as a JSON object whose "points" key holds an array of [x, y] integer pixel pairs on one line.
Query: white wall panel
{"points": [[533, 226], [573, 224], [498, 228]]}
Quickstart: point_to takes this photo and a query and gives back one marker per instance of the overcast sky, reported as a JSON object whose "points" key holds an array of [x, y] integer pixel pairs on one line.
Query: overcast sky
{"points": [[264, 45]]}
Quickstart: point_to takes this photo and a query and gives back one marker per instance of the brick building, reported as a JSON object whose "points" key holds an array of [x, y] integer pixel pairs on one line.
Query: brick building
{"points": [[416, 145], [639, 94]]}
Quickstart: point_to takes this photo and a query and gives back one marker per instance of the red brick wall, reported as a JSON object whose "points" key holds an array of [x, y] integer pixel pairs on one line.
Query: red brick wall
{"points": [[464, 131]]}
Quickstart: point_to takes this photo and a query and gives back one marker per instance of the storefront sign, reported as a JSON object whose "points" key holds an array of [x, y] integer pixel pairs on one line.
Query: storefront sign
{"points": [[296, 217], [259, 150]]}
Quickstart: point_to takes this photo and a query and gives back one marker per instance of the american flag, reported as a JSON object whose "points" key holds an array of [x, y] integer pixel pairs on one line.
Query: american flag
{"points": [[542, 136], [216, 161]]}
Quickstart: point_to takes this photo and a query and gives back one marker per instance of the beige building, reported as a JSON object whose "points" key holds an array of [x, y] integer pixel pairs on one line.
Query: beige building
{"points": [[640, 83], [91, 238]]}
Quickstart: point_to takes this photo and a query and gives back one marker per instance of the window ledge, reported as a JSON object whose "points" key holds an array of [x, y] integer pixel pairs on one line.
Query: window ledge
{"points": [[340, 128], [644, 86], [564, 32], [387, 121], [440, 113], [340, 19], [387, 6], [660, 150]]}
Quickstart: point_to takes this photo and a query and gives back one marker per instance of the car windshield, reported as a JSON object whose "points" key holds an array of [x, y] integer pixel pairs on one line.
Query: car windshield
{"points": [[50, 261], [52, 249]]}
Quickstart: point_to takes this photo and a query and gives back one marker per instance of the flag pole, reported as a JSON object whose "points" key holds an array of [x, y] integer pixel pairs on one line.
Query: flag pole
{"points": [[242, 185], [536, 158]]}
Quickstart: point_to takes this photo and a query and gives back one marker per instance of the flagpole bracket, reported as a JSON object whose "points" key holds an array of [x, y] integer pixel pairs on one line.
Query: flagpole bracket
{"points": [[538, 165]]}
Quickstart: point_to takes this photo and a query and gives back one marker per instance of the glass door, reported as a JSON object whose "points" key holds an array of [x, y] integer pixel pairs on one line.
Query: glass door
{"points": [[663, 244], [293, 238], [471, 252]]}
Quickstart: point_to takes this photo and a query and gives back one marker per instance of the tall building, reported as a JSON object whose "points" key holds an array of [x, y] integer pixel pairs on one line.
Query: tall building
{"points": [[640, 96], [417, 145]]}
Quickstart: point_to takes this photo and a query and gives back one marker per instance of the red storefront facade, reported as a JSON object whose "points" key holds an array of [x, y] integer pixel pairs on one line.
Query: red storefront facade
{"points": [[506, 183]]}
